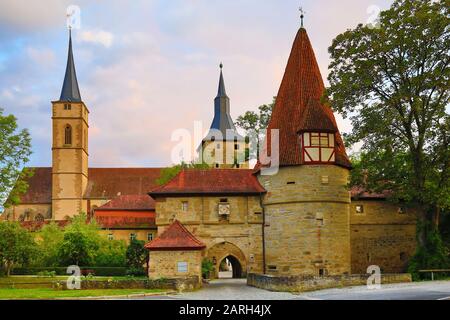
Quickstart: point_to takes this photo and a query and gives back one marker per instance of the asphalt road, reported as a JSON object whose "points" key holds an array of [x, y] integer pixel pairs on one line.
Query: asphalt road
{"points": [[232, 289]]}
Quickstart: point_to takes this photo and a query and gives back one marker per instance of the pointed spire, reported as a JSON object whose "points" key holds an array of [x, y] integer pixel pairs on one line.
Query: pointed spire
{"points": [[222, 119], [221, 92], [70, 91], [302, 88]]}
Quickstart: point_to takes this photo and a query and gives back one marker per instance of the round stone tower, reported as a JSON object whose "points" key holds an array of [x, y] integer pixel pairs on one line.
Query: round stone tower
{"points": [[307, 205]]}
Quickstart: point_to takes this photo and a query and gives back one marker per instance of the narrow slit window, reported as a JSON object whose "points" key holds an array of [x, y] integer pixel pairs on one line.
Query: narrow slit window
{"points": [[68, 135]]}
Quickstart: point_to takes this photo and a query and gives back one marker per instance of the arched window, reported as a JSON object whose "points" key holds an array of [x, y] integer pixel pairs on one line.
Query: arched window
{"points": [[68, 135]]}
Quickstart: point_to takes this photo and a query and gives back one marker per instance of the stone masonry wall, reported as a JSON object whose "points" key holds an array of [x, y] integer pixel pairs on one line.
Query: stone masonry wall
{"points": [[311, 283], [242, 231], [164, 264], [307, 229]]}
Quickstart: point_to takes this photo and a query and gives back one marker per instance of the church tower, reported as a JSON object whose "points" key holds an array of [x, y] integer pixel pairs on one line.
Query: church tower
{"points": [[307, 205], [224, 147], [70, 147]]}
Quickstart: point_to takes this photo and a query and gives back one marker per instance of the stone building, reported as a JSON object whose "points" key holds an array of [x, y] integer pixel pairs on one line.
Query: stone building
{"points": [[223, 147], [301, 220]]}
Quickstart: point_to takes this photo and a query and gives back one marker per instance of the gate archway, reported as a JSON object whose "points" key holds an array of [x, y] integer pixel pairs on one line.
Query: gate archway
{"points": [[228, 251]]}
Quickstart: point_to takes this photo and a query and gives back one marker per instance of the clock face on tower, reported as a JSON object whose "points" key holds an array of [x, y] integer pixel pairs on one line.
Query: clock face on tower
{"points": [[224, 209]]}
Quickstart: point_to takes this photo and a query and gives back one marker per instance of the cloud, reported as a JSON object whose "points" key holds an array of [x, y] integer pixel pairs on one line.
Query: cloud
{"points": [[43, 56], [163, 72], [96, 37]]}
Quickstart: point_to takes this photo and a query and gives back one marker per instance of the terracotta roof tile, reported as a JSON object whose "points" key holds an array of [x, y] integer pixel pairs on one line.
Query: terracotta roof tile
{"points": [[39, 187], [38, 225], [211, 181], [302, 89], [358, 192], [130, 202], [175, 237], [110, 182], [104, 183], [119, 219]]}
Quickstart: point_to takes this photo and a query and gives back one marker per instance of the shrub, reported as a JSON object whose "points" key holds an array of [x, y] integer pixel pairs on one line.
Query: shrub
{"points": [[136, 272], [207, 268]]}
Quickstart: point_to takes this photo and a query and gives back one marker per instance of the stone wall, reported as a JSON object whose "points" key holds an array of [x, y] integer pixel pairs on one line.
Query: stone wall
{"points": [[242, 229], [164, 264], [382, 236], [311, 283], [307, 229], [179, 284]]}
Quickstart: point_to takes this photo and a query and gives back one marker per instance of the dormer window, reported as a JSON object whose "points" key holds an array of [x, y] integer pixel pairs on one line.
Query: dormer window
{"points": [[318, 147]]}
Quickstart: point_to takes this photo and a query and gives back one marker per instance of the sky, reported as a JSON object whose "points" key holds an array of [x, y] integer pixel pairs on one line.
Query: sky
{"points": [[148, 68]]}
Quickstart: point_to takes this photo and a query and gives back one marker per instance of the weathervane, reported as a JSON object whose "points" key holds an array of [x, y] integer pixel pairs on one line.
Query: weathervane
{"points": [[302, 14]]}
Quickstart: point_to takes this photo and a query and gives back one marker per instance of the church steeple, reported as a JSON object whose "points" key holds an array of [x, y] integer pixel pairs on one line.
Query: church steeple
{"points": [[222, 119], [221, 92], [70, 91], [223, 147]]}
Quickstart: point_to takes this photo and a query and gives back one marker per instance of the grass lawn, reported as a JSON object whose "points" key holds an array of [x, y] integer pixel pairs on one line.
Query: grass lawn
{"points": [[37, 279], [55, 294]]}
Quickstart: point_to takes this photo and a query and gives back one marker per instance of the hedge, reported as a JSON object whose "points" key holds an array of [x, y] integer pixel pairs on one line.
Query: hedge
{"points": [[62, 271]]}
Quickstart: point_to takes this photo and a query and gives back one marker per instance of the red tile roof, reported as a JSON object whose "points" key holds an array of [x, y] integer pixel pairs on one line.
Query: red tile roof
{"points": [[104, 183], [39, 187], [110, 182], [298, 105], [210, 181], [361, 193], [38, 225], [175, 237], [130, 202], [128, 219]]}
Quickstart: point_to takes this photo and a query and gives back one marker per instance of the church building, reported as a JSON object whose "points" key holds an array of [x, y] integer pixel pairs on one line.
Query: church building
{"points": [[303, 220]]}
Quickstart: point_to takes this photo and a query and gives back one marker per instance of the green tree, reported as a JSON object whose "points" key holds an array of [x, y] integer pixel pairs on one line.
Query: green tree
{"points": [[111, 253], [393, 82], [80, 243], [256, 123], [15, 150], [169, 173], [49, 240], [136, 255], [17, 246]]}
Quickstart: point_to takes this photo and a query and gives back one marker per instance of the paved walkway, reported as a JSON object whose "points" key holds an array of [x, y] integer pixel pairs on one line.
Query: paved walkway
{"points": [[236, 289], [233, 289]]}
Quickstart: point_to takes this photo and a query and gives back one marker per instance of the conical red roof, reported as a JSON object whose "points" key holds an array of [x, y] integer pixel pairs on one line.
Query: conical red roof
{"points": [[298, 106], [175, 237]]}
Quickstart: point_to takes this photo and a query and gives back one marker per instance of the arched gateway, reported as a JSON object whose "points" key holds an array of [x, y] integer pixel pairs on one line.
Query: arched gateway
{"points": [[226, 251]]}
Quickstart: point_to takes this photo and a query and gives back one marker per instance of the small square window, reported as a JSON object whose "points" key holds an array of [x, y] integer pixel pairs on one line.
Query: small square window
{"points": [[359, 209], [182, 267], [184, 206], [217, 166], [133, 236], [110, 236], [149, 236]]}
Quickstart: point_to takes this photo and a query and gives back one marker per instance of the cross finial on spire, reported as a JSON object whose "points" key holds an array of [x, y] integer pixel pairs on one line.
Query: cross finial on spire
{"points": [[302, 14]]}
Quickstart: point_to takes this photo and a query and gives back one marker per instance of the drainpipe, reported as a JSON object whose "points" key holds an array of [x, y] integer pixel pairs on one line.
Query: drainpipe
{"points": [[263, 231]]}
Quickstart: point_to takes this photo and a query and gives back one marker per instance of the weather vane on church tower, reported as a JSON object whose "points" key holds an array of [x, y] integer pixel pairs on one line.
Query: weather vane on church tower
{"points": [[302, 14]]}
